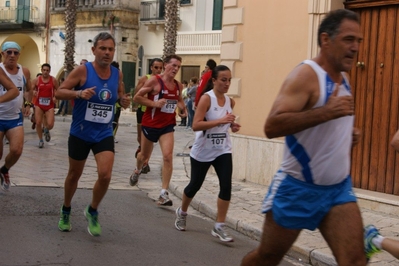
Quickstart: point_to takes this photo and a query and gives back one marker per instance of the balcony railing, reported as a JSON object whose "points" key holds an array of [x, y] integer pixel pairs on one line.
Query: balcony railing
{"points": [[83, 3], [203, 42], [153, 10], [19, 14]]}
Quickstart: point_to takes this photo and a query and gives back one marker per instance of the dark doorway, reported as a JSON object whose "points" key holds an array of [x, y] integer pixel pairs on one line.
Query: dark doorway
{"points": [[187, 72], [129, 75]]}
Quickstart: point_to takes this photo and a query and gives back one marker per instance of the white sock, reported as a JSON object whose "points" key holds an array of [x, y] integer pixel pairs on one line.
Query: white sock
{"points": [[182, 212], [218, 225], [377, 241], [163, 191]]}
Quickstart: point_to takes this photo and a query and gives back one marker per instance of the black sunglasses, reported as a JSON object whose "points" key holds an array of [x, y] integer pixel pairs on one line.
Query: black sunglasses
{"points": [[11, 52]]}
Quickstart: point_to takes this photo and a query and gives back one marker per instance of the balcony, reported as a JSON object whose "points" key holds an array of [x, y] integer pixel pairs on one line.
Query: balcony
{"points": [[18, 18], [202, 42], [57, 4], [152, 14]]}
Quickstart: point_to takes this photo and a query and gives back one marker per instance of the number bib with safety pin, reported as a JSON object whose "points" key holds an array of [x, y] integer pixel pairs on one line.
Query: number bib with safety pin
{"points": [[99, 113], [44, 101], [216, 141], [169, 107]]}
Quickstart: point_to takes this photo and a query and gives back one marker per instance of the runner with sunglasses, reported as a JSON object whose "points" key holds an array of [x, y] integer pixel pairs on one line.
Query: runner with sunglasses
{"points": [[11, 123], [156, 67]]}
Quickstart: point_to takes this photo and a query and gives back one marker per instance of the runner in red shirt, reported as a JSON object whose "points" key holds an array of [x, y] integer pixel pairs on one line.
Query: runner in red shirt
{"points": [[210, 65], [44, 90], [162, 95]]}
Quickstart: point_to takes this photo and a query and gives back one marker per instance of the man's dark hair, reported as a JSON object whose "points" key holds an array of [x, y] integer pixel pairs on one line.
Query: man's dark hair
{"points": [[333, 20], [170, 57], [103, 36], [155, 60], [194, 80], [46, 65], [211, 64], [115, 64]]}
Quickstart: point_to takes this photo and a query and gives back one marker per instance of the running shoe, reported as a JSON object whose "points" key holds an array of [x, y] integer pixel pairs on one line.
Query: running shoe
{"points": [[41, 144], [94, 228], [164, 199], [5, 181], [65, 221], [134, 178], [222, 234], [137, 151], [47, 135], [180, 222], [145, 169], [370, 232]]}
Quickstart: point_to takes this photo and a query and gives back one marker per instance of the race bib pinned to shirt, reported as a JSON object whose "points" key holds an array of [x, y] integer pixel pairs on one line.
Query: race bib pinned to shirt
{"points": [[99, 113], [44, 101], [169, 107], [216, 141]]}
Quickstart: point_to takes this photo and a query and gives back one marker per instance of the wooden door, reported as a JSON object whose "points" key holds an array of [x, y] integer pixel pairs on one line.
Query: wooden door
{"points": [[375, 85]]}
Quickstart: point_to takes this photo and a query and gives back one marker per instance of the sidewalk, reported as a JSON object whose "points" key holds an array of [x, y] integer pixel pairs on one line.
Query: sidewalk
{"points": [[244, 212]]}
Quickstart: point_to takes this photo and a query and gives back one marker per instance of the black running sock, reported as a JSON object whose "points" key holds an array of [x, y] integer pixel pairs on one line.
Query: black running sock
{"points": [[91, 210], [66, 209], [4, 170]]}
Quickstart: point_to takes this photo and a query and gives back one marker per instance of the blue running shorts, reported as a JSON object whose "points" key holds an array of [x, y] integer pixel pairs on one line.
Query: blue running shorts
{"points": [[299, 205], [9, 124]]}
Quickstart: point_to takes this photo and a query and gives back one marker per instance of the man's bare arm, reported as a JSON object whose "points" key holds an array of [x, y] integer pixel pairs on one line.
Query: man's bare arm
{"points": [[76, 78], [292, 111], [28, 87], [140, 84], [12, 90], [147, 88]]}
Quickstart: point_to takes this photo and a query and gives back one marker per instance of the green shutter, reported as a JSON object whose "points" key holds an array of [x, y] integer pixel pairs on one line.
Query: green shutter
{"points": [[129, 75], [217, 14]]}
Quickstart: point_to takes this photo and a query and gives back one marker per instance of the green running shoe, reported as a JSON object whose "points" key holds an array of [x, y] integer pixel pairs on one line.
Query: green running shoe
{"points": [[370, 249], [94, 228], [65, 221]]}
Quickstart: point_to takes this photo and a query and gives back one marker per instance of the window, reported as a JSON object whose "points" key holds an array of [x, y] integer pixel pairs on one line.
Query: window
{"points": [[7, 3], [217, 14], [185, 2]]}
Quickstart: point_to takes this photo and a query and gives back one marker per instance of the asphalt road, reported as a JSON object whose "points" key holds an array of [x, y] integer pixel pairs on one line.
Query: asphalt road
{"points": [[135, 232]]}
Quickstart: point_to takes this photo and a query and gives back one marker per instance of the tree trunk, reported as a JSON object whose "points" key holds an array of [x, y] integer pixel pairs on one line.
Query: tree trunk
{"points": [[70, 27], [170, 35]]}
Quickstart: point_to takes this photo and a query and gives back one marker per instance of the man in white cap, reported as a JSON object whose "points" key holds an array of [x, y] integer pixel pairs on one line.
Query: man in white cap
{"points": [[11, 123]]}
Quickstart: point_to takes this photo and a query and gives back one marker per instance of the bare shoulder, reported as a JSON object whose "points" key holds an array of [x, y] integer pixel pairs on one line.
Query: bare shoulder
{"points": [[232, 103], [302, 78], [26, 71]]}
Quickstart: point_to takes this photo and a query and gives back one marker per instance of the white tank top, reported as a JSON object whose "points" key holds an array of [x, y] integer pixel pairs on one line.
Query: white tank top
{"points": [[321, 154], [11, 110], [211, 143]]}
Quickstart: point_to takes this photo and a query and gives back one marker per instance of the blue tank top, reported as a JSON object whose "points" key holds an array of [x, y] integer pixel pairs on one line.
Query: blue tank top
{"points": [[92, 119]]}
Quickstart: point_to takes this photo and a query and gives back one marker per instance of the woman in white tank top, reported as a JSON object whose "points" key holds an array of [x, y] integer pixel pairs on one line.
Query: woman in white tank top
{"points": [[212, 120]]}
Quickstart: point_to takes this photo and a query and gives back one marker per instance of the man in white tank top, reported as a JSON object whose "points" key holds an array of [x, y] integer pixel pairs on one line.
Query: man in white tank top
{"points": [[12, 111], [314, 112]]}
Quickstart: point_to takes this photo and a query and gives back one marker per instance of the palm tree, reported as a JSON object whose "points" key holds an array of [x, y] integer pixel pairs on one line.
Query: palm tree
{"points": [[170, 34], [70, 27]]}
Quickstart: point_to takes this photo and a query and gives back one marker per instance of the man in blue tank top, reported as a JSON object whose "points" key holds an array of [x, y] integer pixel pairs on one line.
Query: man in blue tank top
{"points": [[313, 189], [95, 87]]}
